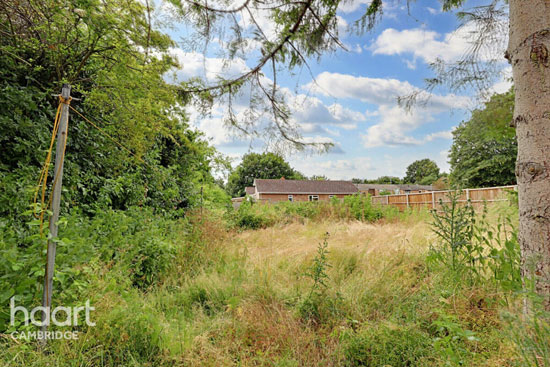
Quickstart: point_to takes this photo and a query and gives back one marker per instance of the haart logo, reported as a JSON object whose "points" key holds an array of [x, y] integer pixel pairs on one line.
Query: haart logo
{"points": [[59, 316]]}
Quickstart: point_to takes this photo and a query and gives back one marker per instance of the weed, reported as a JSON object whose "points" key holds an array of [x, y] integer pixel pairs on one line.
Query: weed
{"points": [[387, 345], [470, 245], [454, 226], [319, 306]]}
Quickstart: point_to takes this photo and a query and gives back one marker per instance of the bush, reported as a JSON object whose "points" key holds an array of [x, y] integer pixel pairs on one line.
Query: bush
{"points": [[320, 305], [137, 247], [469, 245], [150, 259], [252, 215], [386, 346]]}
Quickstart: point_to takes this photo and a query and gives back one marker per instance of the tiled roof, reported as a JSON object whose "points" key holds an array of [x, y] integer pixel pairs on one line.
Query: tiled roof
{"points": [[249, 190], [365, 187], [304, 187]]}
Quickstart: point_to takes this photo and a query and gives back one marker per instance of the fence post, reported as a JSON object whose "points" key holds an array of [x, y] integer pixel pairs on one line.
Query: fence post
{"points": [[468, 197], [433, 200], [387, 200], [408, 204], [56, 201]]}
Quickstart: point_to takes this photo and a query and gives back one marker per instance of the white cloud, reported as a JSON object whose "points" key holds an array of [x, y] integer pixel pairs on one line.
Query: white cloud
{"points": [[307, 109], [429, 45], [390, 7], [309, 113], [370, 90], [336, 169], [504, 83], [395, 124], [424, 44], [342, 26], [262, 18], [433, 11], [448, 134], [196, 65], [443, 161], [349, 6]]}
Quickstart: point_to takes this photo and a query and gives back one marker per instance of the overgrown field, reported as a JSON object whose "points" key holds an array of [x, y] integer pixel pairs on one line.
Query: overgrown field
{"points": [[311, 290]]}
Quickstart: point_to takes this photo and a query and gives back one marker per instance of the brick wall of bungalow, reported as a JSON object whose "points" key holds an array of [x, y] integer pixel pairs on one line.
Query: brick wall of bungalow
{"points": [[297, 197]]}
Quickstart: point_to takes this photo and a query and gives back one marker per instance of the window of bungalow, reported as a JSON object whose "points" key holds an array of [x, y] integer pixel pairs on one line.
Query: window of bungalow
{"points": [[290, 198], [313, 197]]}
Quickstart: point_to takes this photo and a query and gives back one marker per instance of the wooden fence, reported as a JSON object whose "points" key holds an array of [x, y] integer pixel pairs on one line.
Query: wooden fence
{"points": [[432, 199]]}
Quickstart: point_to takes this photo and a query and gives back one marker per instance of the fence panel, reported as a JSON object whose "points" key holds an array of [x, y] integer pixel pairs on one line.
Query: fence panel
{"points": [[434, 200]]}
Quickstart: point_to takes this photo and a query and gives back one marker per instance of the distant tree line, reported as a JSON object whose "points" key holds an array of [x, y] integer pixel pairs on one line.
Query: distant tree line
{"points": [[483, 154]]}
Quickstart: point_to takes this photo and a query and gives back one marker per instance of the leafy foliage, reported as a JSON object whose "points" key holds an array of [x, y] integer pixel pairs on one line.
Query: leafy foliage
{"points": [[484, 148], [303, 30], [359, 207], [320, 306], [379, 180], [256, 165], [423, 171], [136, 244], [386, 346], [116, 62], [470, 246], [454, 227]]}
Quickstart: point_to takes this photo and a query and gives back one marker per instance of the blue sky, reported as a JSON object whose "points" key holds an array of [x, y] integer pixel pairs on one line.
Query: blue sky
{"points": [[353, 102]]}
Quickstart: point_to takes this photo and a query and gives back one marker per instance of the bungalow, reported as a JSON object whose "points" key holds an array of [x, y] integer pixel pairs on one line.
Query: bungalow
{"points": [[376, 189], [299, 190]]}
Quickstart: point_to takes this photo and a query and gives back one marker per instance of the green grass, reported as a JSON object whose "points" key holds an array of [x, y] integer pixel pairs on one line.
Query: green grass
{"points": [[252, 215], [219, 297]]}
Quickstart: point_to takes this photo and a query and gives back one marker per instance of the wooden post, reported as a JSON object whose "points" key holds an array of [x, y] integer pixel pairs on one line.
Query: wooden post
{"points": [[408, 204], [468, 197], [56, 201], [433, 200], [201, 203]]}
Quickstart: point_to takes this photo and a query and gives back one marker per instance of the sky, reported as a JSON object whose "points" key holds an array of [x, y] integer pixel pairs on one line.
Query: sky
{"points": [[350, 97]]}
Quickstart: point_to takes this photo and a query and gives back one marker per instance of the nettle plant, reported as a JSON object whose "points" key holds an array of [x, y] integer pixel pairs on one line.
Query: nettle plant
{"points": [[469, 244], [454, 227], [319, 306]]}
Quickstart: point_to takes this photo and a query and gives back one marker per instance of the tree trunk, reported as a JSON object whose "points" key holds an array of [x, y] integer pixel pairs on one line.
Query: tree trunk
{"points": [[529, 55]]}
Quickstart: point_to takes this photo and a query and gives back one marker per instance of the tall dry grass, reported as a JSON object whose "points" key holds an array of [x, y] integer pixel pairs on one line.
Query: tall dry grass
{"points": [[239, 302]]}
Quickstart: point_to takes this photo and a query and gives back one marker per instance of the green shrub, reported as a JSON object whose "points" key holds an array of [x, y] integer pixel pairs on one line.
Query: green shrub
{"points": [[310, 309], [454, 227], [150, 259], [386, 346], [469, 245], [136, 245], [320, 305], [451, 339], [252, 215]]}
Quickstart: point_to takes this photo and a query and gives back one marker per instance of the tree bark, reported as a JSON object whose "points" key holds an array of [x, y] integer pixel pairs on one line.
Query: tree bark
{"points": [[529, 55]]}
